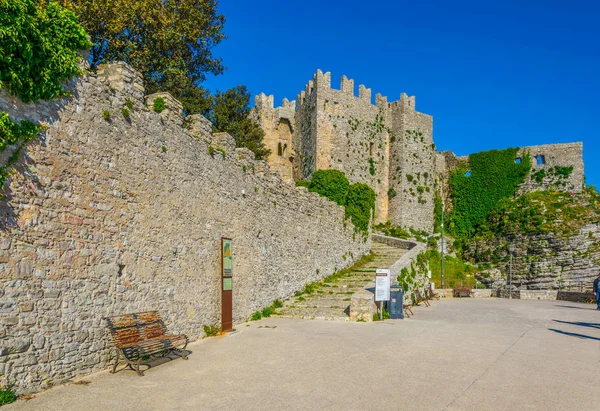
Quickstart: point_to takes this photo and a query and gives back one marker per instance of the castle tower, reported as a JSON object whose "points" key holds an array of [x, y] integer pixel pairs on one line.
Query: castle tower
{"points": [[387, 146], [412, 165]]}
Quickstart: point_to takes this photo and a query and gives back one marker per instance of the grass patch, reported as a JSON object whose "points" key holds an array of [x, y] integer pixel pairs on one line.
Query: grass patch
{"points": [[211, 330], [7, 395], [455, 270]]}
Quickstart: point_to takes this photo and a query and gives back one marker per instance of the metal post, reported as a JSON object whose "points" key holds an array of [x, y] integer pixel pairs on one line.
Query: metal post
{"points": [[443, 245], [511, 248]]}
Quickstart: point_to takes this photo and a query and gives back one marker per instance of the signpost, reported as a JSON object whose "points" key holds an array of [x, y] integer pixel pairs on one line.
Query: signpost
{"points": [[227, 285], [382, 288]]}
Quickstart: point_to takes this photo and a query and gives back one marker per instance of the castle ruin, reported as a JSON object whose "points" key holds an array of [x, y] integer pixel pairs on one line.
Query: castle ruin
{"points": [[387, 145]]}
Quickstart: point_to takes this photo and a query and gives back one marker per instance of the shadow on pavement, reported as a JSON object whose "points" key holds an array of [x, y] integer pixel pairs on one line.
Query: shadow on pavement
{"points": [[581, 324], [577, 308], [582, 336], [154, 361]]}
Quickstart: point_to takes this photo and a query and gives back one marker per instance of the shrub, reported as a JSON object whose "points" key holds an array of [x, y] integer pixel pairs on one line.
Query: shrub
{"points": [[106, 115], [256, 316], [7, 395], [303, 183], [211, 330], [38, 48], [129, 104], [371, 166], [392, 193], [332, 184], [211, 150], [164, 149], [159, 104]]}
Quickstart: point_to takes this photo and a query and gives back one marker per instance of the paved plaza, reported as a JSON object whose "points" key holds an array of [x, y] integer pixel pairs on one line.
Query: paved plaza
{"points": [[458, 354]]}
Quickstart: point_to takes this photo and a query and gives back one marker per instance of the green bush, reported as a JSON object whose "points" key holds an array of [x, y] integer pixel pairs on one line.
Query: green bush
{"points": [[256, 316], [360, 204], [106, 115], [303, 183], [12, 133], [159, 104], [7, 395], [332, 184], [38, 48]]}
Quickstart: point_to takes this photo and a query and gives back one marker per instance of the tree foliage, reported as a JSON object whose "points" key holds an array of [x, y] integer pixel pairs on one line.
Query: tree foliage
{"points": [[169, 41], [230, 113], [38, 48], [478, 187]]}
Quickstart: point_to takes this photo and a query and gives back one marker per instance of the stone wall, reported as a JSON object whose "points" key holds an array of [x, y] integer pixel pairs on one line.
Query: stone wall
{"points": [[104, 217]]}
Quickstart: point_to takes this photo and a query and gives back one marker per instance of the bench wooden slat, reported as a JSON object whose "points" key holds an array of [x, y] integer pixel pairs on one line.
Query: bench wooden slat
{"points": [[138, 335]]}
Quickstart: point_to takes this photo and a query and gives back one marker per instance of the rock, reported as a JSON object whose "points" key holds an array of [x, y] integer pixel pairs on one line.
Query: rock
{"points": [[362, 306]]}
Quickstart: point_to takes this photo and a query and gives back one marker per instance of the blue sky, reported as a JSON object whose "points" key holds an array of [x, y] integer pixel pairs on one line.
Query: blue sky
{"points": [[493, 74]]}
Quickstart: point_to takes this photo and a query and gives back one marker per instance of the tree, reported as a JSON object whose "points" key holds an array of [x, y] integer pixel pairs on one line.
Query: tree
{"points": [[169, 41], [39, 46], [230, 113]]}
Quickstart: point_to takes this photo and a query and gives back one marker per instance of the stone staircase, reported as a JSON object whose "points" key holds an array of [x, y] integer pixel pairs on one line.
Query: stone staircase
{"points": [[331, 300]]}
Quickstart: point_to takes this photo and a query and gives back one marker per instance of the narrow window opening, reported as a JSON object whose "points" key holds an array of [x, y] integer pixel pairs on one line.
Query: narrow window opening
{"points": [[284, 150], [279, 150], [371, 148], [540, 160], [518, 160]]}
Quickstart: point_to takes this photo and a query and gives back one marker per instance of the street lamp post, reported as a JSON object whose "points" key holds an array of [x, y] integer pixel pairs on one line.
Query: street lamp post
{"points": [[443, 246], [511, 248]]}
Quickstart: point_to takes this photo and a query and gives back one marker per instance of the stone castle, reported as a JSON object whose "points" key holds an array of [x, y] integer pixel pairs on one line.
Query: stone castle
{"points": [[112, 214], [387, 145]]}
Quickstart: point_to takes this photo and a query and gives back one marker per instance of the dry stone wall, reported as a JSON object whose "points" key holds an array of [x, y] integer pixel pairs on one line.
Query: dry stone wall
{"points": [[109, 216]]}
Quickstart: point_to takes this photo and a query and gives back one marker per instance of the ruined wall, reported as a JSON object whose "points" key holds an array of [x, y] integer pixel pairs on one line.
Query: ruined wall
{"points": [[278, 125], [545, 160], [112, 216]]}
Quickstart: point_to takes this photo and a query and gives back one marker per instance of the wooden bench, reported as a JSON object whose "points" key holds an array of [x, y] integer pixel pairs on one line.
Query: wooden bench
{"points": [[433, 295], [462, 292], [139, 336], [421, 299]]}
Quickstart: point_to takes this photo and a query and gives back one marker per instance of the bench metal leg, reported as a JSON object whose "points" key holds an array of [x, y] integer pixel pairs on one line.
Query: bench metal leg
{"points": [[137, 368], [114, 370]]}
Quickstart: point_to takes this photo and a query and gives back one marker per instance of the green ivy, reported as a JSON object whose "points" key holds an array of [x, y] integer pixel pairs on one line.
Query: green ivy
{"points": [[360, 204], [38, 48], [372, 166], [494, 175]]}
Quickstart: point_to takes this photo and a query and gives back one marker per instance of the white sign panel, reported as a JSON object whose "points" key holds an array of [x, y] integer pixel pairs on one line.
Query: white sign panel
{"points": [[382, 285]]}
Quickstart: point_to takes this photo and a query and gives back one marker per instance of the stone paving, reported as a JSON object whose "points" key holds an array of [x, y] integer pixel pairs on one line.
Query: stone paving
{"points": [[458, 354], [331, 301]]}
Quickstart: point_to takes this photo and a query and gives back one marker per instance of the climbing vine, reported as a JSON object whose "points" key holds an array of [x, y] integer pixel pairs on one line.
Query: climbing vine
{"points": [[478, 186]]}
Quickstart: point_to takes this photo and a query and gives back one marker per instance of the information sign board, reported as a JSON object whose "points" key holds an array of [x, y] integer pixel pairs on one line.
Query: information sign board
{"points": [[382, 285]]}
